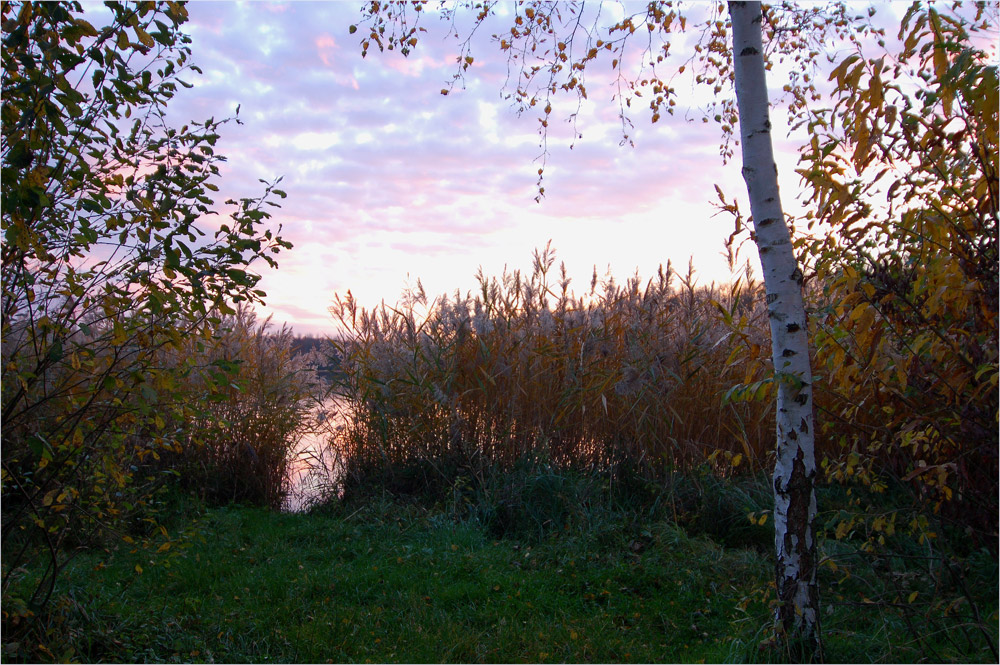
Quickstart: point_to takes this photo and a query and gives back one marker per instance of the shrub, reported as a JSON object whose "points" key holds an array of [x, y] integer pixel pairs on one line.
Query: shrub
{"points": [[104, 267], [906, 330]]}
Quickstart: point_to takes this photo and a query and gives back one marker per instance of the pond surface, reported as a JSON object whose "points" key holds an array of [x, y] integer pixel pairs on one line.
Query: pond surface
{"points": [[315, 465]]}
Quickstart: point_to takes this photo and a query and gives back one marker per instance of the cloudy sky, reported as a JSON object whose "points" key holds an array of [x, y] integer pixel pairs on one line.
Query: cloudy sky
{"points": [[389, 181]]}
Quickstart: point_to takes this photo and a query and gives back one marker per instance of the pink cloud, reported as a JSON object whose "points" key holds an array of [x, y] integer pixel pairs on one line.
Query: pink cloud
{"points": [[385, 176], [413, 66], [326, 44]]}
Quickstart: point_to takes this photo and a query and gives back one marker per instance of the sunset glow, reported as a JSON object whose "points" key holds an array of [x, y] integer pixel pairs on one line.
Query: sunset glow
{"points": [[389, 181]]}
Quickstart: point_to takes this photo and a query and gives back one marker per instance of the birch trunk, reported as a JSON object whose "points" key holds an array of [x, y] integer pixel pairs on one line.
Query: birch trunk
{"points": [[797, 616]]}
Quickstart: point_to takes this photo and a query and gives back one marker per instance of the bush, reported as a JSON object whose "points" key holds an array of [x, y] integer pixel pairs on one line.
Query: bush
{"points": [[906, 332], [88, 164]]}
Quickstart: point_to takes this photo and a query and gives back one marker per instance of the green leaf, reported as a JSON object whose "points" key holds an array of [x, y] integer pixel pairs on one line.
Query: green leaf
{"points": [[173, 259], [40, 447], [149, 393]]}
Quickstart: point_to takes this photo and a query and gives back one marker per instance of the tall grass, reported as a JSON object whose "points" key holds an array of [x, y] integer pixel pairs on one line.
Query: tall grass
{"points": [[258, 397], [629, 376]]}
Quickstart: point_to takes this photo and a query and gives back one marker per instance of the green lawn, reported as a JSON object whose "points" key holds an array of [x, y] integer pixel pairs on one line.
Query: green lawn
{"points": [[392, 583], [260, 586]]}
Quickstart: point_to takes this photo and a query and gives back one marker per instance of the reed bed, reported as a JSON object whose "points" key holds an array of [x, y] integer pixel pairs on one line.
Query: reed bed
{"points": [[627, 377], [257, 401]]}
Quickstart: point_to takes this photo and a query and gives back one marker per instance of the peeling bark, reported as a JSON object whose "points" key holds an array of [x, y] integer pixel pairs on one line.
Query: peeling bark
{"points": [[797, 616]]}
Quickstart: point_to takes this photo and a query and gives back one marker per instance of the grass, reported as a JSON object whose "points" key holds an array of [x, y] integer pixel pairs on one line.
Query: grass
{"points": [[393, 582], [398, 584], [631, 374]]}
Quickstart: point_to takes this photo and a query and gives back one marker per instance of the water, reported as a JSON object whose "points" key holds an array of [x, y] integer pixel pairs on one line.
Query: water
{"points": [[315, 466]]}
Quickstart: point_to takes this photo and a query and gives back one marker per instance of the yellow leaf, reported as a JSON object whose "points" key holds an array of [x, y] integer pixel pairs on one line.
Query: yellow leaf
{"points": [[913, 596], [49, 497], [144, 37], [858, 311], [867, 318], [88, 29], [138, 569], [119, 335], [851, 275]]}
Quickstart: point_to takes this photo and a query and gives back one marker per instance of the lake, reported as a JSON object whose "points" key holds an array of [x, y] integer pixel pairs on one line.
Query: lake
{"points": [[315, 465]]}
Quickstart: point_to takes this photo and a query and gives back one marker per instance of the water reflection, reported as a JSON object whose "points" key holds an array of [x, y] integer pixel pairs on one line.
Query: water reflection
{"points": [[315, 467]]}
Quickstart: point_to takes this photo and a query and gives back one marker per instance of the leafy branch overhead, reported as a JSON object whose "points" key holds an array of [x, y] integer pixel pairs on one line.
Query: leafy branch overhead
{"points": [[77, 163], [575, 50]]}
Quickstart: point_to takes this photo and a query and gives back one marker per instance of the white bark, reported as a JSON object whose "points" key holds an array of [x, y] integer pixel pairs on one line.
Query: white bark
{"points": [[795, 466]]}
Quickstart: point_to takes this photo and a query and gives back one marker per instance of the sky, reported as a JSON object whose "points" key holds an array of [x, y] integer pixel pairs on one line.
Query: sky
{"points": [[389, 181]]}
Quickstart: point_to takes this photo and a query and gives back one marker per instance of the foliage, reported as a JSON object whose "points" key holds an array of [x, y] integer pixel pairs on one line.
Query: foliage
{"points": [[105, 267], [902, 172]]}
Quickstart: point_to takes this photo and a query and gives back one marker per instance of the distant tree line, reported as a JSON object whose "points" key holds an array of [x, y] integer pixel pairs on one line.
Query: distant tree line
{"points": [[322, 352]]}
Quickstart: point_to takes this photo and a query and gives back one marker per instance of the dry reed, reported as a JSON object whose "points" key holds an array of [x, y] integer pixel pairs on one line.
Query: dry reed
{"points": [[628, 376], [257, 399]]}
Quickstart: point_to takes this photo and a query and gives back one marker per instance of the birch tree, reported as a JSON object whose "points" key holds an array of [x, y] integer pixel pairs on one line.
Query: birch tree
{"points": [[795, 464], [551, 46]]}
